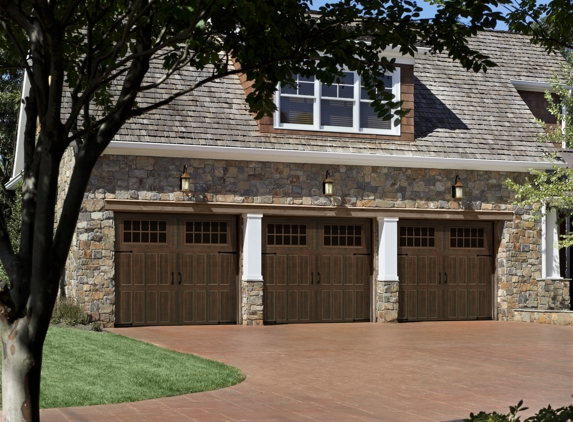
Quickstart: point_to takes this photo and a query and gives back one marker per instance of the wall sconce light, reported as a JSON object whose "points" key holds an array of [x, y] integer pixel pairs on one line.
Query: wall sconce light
{"points": [[185, 180], [458, 189], [328, 185]]}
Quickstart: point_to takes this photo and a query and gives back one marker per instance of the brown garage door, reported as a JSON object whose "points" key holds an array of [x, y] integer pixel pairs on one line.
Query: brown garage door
{"points": [[445, 271], [175, 269], [316, 270]]}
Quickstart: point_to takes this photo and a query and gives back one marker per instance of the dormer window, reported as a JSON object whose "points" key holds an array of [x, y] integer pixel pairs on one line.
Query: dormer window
{"points": [[342, 107]]}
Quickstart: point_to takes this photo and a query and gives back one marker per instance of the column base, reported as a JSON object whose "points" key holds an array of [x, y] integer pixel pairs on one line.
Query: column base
{"points": [[252, 302], [387, 301]]}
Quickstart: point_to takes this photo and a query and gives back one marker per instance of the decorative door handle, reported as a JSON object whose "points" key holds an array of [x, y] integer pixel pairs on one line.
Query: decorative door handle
{"points": [[445, 278], [179, 278], [318, 281], [311, 278], [172, 276], [439, 278]]}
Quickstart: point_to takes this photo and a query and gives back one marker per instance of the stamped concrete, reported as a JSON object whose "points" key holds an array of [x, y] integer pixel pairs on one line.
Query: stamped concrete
{"points": [[359, 372]]}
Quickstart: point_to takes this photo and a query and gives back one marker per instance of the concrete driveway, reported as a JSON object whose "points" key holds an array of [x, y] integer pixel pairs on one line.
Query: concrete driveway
{"points": [[360, 372]]}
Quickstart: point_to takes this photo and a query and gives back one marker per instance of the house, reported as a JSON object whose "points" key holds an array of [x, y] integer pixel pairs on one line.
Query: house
{"points": [[255, 239]]}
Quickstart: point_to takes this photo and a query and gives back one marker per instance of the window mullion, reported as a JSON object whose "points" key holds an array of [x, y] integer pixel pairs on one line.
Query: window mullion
{"points": [[356, 104], [317, 98]]}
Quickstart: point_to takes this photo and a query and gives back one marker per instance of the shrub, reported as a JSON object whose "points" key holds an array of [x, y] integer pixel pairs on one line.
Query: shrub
{"points": [[563, 414], [69, 313]]}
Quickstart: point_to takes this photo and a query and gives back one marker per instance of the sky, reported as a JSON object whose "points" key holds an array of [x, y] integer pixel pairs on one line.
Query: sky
{"points": [[429, 10]]}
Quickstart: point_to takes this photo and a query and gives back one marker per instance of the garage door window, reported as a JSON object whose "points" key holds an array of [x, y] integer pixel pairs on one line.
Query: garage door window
{"points": [[144, 231], [467, 237], [286, 234], [206, 232], [417, 237], [342, 235]]}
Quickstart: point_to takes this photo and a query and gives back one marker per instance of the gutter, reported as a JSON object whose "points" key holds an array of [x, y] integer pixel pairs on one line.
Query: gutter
{"points": [[13, 182], [314, 157]]}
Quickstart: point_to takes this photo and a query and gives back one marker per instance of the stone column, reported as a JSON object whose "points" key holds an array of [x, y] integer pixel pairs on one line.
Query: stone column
{"points": [[252, 278], [387, 282]]}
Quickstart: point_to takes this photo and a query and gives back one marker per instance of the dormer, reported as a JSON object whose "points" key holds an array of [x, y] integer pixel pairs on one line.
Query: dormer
{"points": [[343, 109]]}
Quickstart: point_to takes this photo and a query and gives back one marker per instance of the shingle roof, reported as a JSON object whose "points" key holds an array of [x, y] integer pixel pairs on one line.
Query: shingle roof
{"points": [[458, 113]]}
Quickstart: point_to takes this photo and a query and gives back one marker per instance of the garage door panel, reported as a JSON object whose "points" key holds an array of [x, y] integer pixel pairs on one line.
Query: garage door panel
{"points": [[484, 265], [213, 305], [188, 306], [281, 306], [126, 308], [349, 310], [451, 304], [473, 303], [412, 271], [215, 263], [151, 310], [306, 306], [165, 307], [292, 305], [281, 270], [152, 269], [227, 306], [337, 305], [201, 306], [461, 278], [433, 304], [199, 271], [269, 308], [139, 307], [337, 270], [188, 269], [138, 269], [422, 301], [484, 303], [361, 306], [164, 269], [326, 305], [325, 270], [125, 268], [293, 270], [462, 308], [412, 304]]}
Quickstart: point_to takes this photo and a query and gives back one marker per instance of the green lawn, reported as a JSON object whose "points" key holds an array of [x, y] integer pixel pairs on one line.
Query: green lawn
{"points": [[83, 368]]}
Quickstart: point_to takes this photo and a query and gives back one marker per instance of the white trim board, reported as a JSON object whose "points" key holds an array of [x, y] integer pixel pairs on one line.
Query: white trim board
{"points": [[315, 157]]}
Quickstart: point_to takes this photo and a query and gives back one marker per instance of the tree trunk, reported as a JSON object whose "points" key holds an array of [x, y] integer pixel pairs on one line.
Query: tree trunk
{"points": [[20, 375]]}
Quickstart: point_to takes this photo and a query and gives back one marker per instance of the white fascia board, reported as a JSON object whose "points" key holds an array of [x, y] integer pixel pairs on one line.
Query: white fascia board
{"points": [[316, 157], [19, 152], [532, 86]]}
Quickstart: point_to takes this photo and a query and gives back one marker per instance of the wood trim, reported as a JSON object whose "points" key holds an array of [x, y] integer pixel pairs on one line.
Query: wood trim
{"points": [[133, 206]]}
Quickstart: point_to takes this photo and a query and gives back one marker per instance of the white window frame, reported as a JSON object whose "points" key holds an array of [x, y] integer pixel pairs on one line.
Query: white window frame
{"points": [[316, 126]]}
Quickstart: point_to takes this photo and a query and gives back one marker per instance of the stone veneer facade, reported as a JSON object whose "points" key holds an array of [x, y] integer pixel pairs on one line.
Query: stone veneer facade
{"points": [[90, 268]]}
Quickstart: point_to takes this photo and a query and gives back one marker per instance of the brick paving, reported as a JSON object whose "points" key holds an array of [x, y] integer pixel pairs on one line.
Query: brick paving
{"points": [[359, 372]]}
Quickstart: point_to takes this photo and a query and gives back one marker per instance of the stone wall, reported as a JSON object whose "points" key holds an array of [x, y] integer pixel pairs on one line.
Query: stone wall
{"points": [[545, 294], [518, 260], [252, 302], [89, 269], [224, 181], [543, 316], [387, 301]]}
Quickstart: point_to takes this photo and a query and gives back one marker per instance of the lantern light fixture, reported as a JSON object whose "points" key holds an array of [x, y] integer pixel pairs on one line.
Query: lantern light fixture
{"points": [[185, 180], [458, 189], [328, 185]]}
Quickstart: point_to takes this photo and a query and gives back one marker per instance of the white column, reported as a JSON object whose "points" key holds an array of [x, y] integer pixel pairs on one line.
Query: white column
{"points": [[550, 252], [387, 249], [252, 247]]}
